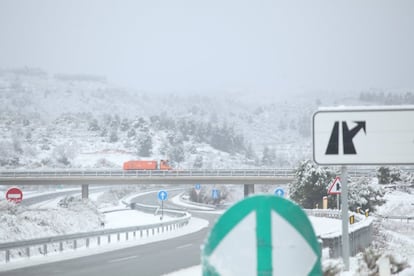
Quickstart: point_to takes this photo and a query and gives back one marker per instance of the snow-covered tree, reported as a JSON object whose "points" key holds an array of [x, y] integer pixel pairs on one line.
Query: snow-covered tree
{"points": [[365, 194], [144, 144], [64, 153], [176, 154], [269, 156], [310, 184], [386, 175], [198, 162]]}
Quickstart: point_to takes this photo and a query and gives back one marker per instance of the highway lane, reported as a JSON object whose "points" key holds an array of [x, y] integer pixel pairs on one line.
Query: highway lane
{"points": [[150, 259]]}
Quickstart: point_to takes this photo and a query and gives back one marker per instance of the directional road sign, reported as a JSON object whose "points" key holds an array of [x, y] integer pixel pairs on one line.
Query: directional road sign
{"points": [[335, 187], [369, 135], [14, 194], [197, 187], [262, 235], [162, 195], [215, 193], [280, 192]]}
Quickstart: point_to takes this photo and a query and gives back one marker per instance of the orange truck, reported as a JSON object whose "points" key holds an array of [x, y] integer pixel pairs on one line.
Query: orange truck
{"points": [[146, 165]]}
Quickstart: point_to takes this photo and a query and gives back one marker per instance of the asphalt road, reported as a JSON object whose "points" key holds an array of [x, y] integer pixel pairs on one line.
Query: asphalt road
{"points": [[149, 259]]}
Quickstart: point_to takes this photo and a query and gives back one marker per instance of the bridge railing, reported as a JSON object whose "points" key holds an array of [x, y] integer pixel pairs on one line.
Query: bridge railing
{"points": [[289, 172], [147, 173]]}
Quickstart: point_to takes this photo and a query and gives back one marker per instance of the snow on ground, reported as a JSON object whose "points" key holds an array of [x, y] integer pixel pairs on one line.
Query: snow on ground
{"points": [[398, 235], [52, 221]]}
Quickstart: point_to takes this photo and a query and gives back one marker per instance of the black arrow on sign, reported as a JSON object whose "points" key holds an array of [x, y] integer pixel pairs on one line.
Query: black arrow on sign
{"points": [[348, 135]]}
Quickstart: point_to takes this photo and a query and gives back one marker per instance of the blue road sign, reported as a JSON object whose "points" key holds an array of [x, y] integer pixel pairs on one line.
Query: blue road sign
{"points": [[279, 192], [162, 195], [215, 193], [197, 186]]}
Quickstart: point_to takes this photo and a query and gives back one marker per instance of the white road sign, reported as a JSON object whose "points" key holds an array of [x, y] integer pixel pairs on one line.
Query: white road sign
{"points": [[364, 136], [262, 235]]}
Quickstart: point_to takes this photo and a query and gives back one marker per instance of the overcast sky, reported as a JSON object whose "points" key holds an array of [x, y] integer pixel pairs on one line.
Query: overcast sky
{"points": [[191, 45]]}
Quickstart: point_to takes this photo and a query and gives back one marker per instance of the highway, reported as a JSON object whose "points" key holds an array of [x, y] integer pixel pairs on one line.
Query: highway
{"points": [[156, 258]]}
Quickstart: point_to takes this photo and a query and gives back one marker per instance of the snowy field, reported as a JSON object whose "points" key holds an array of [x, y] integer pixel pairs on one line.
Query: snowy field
{"points": [[399, 235]]}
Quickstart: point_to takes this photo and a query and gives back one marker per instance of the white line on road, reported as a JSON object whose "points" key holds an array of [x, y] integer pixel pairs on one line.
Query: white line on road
{"points": [[122, 259], [184, 246]]}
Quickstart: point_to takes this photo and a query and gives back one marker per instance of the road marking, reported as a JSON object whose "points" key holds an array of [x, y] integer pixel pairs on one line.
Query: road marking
{"points": [[122, 259], [184, 246]]}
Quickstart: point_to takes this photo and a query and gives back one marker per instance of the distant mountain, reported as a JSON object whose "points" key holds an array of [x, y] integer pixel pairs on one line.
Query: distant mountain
{"points": [[64, 120]]}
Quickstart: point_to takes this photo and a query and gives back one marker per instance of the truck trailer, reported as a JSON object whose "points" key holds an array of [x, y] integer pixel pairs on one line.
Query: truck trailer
{"points": [[146, 165]]}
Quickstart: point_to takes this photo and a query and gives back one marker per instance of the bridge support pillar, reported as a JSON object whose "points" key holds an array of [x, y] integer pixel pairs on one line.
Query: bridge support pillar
{"points": [[85, 191], [248, 189]]}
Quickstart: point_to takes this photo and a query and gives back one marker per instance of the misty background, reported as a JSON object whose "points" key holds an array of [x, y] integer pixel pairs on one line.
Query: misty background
{"points": [[275, 47], [206, 84]]}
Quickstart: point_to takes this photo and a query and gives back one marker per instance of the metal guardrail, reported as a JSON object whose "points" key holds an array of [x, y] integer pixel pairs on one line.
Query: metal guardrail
{"points": [[145, 173], [401, 218], [353, 172], [74, 238]]}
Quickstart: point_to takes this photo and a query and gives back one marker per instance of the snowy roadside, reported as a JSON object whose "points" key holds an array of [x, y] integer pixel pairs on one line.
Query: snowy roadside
{"points": [[55, 217], [397, 239]]}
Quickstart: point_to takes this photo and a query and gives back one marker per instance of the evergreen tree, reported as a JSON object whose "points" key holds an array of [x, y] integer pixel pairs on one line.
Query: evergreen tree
{"points": [[198, 162], [384, 175], [176, 154], [144, 144], [269, 156], [250, 153], [93, 125], [310, 184], [364, 194], [113, 137], [124, 125]]}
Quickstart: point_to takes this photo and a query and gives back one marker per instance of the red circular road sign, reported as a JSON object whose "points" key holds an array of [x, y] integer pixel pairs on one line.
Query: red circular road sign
{"points": [[14, 194]]}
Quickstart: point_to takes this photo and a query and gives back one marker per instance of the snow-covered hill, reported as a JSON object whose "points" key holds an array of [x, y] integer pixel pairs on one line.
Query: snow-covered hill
{"points": [[49, 121]]}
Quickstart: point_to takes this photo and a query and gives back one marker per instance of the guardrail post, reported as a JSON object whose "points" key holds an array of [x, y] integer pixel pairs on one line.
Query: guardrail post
{"points": [[45, 249], [99, 240], [126, 236], [60, 246], [109, 238], [87, 242], [75, 244], [28, 252], [7, 255], [118, 237]]}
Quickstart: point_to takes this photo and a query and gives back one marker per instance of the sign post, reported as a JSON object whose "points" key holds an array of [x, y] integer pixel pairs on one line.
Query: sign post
{"points": [[14, 194], [162, 195], [344, 213], [262, 235], [197, 188]]}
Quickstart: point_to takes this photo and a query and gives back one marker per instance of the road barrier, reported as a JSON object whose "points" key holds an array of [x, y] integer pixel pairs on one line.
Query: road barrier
{"points": [[71, 240], [360, 233]]}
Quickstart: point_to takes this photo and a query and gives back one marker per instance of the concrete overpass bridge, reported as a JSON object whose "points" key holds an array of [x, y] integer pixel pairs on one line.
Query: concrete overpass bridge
{"points": [[247, 177]]}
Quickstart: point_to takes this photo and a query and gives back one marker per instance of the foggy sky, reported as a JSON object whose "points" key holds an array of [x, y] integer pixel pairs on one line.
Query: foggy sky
{"points": [[191, 45]]}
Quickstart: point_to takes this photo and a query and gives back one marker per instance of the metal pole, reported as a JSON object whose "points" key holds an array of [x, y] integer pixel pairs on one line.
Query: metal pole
{"points": [[337, 201], [345, 234], [162, 209]]}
